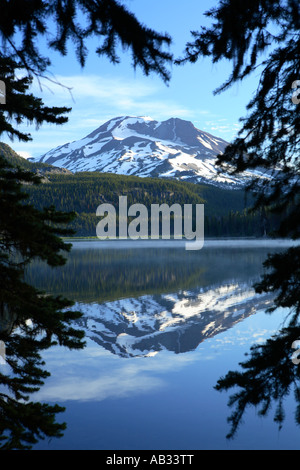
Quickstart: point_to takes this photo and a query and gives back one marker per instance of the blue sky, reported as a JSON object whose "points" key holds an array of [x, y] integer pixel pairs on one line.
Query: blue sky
{"points": [[102, 90]]}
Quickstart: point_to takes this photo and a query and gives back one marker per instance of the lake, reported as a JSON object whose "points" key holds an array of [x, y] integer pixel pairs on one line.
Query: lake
{"points": [[162, 326]]}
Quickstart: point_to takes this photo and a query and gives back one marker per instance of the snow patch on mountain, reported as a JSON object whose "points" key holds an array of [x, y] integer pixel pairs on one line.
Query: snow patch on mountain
{"points": [[141, 146], [179, 321]]}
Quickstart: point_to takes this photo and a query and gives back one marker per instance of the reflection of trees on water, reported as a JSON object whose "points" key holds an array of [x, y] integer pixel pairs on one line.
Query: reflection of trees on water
{"points": [[267, 376], [22, 421], [99, 275], [270, 374]]}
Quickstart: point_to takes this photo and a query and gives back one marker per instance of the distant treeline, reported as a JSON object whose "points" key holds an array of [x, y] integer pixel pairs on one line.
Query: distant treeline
{"points": [[226, 211]]}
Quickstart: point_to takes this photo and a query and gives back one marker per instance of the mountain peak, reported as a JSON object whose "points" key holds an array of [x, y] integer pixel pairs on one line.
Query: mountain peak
{"points": [[142, 146]]}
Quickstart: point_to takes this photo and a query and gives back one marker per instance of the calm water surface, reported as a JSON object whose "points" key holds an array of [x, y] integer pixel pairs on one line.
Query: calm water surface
{"points": [[162, 326]]}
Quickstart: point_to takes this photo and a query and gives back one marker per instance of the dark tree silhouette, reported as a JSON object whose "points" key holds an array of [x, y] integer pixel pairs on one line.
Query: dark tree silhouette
{"points": [[21, 105], [253, 34], [31, 321], [267, 378], [263, 36], [25, 23]]}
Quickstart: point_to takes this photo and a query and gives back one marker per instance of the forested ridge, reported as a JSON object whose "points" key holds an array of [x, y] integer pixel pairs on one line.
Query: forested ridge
{"points": [[16, 160], [226, 211]]}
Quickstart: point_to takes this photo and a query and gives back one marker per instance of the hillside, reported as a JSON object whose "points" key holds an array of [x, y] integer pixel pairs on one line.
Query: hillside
{"points": [[225, 210], [37, 167]]}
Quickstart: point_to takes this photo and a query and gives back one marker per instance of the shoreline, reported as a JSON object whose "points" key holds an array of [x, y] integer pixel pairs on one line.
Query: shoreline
{"points": [[171, 243]]}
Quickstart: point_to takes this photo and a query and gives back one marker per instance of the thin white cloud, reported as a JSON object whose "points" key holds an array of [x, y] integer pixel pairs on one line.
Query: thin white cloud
{"points": [[222, 127], [95, 86], [102, 375], [102, 95], [94, 100]]}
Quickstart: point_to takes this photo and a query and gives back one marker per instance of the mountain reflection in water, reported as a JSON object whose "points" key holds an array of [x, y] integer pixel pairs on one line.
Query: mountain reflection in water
{"points": [[137, 302], [176, 322]]}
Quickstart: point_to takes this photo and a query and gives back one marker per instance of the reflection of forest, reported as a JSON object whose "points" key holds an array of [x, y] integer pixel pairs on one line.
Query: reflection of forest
{"points": [[126, 292], [107, 277], [107, 274]]}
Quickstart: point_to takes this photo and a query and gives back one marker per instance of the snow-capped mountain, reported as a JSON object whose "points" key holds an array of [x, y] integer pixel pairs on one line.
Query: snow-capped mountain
{"points": [[141, 146]]}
